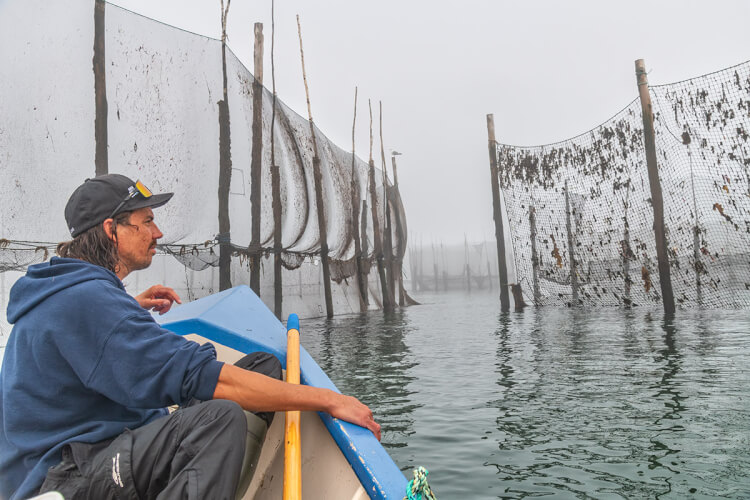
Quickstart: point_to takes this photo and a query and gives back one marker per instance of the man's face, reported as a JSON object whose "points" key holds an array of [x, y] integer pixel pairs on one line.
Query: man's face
{"points": [[136, 241]]}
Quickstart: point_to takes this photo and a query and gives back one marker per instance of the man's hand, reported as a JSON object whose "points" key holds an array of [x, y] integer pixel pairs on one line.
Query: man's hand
{"points": [[158, 298], [256, 392], [352, 410]]}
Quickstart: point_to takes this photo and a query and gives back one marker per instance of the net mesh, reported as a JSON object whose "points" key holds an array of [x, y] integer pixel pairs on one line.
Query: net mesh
{"points": [[163, 87], [581, 215]]}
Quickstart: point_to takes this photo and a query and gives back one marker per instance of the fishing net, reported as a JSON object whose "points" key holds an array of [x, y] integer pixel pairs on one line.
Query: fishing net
{"points": [[164, 89], [581, 215]]}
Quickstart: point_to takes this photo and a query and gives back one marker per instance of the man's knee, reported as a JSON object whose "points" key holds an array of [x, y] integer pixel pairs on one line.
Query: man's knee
{"points": [[261, 362], [227, 414]]}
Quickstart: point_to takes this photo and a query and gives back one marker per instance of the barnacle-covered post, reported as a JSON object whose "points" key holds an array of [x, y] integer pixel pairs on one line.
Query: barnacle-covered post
{"points": [[256, 159], [656, 195], [497, 214]]}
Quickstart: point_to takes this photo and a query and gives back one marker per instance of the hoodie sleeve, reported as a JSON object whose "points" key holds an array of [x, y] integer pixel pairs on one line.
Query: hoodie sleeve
{"points": [[133, 361]]}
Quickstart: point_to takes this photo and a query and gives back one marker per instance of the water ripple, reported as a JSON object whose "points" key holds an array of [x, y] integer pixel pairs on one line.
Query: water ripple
{"points": [[549, 402]]}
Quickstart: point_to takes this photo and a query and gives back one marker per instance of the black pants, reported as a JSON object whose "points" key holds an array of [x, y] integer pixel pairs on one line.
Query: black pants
{"points": [[196, 452]]}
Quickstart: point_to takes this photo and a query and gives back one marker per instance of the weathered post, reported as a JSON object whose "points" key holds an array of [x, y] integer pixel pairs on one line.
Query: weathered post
{"points": [[364, 284], [657, 201], [697, 264], [100, 90], [400, 234], [318, 179], [387, 233], [225, 165], [571, 250], [534, 256], [355, 218], [275, 190], [435, 267], [256, 160], [627, 253], [497, 214], [376, 234], [467, 264]]}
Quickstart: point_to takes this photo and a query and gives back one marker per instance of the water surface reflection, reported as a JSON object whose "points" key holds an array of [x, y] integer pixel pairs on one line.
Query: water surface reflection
{"points": [[551, 402]]}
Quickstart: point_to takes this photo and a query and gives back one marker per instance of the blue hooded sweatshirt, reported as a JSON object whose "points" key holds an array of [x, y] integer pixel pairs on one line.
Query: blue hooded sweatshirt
{"points": [[84, 362]]}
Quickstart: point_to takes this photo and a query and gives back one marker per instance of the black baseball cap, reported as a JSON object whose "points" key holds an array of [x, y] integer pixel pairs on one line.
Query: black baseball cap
{"points": [[105, 196]]}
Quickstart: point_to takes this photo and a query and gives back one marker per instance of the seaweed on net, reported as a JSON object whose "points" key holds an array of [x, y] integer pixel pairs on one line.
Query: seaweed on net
{"points": [[703, 155]]}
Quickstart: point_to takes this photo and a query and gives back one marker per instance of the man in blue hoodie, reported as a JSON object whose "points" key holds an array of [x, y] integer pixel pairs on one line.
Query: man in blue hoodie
{"points": [[87, 372]]}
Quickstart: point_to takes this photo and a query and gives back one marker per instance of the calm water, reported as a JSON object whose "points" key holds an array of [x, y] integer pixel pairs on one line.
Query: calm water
{"points": [[554, 403]]}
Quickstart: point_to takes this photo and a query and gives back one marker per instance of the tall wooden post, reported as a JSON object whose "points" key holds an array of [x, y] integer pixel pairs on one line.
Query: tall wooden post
{"points": [[497, 214], [364, 283], [256, 161], [388, 232], [318, 178], [627, 253], [100, 90], [355, 218], [571, 249], [435, 267], [400, 234], [662, 256], [275, 189], [376, 234], [225, 165], [534, 256], [697, 264]]}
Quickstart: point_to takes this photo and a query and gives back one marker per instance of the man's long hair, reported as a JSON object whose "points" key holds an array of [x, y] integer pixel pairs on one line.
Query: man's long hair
{"points": [[94, 246]]}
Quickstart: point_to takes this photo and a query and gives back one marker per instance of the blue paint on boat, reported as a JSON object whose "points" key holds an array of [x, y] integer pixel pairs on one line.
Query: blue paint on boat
{"points": [[237, 318]]}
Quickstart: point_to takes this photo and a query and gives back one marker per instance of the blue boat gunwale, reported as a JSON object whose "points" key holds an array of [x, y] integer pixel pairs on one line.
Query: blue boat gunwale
{"points": [[224, 318]]}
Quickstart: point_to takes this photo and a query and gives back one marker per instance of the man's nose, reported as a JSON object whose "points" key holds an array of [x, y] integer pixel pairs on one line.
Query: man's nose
{"points": [[156, 233]]}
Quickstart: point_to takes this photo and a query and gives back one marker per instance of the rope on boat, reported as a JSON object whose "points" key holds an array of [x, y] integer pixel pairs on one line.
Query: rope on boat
{"points": [[418, 489]]}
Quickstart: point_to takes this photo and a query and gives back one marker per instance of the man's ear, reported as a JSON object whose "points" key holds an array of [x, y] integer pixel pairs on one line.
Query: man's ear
{"points": [[108, 226]]}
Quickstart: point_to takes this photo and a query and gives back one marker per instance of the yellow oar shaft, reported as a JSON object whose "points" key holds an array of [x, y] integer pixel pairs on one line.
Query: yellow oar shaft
{"points": [[292, 441]]}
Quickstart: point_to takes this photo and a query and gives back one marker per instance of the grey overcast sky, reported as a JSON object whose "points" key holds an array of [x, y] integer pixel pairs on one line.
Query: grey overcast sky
{"points": [[547, 69]]}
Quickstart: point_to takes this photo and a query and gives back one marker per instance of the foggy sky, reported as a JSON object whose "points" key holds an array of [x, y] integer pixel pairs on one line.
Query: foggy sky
{"points": [[547, 70]]}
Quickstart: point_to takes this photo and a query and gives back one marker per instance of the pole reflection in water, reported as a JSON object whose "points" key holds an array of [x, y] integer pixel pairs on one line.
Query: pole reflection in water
{"points": [[603, 403]]}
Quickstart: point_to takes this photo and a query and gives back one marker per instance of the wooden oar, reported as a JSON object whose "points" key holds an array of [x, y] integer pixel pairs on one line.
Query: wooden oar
{"points": [[292, 442]]}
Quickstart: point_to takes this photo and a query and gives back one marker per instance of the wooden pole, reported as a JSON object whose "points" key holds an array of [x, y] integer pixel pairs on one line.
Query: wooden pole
{"points": [[697, 264], [422, 284], [571, 250], [400, 234], [256, 161], [225, 165], [497, 214], [534, 256], [435, 266], [467, 260], [363, 237], [355, 218], [387, 233], [100, 90], [292, 436], [322, 227], [627, 253], [665, 280], [376, 234], [275, 190]]}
